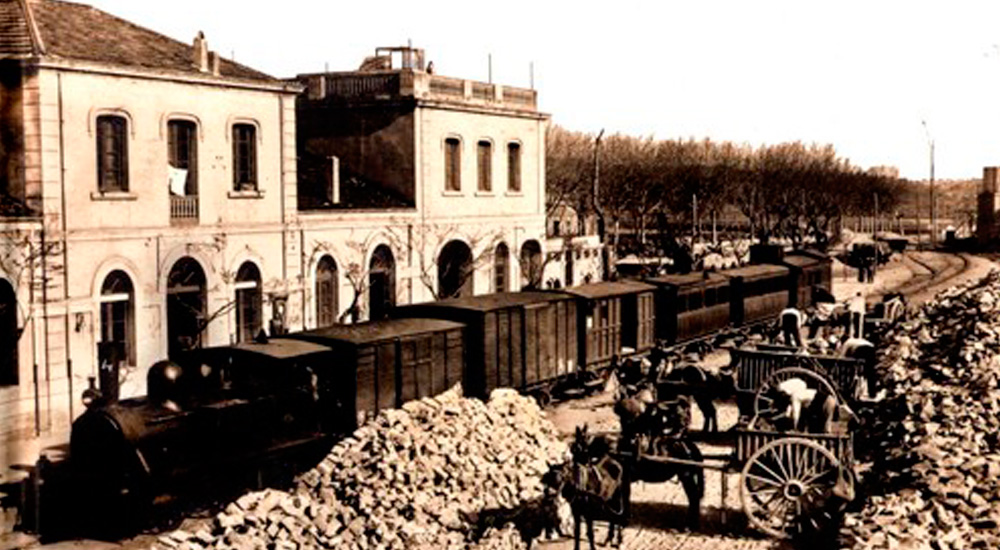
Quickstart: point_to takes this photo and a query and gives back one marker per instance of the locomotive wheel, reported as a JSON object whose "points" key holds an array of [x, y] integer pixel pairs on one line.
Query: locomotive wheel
{"points": [[783, 479], [762, 404]]}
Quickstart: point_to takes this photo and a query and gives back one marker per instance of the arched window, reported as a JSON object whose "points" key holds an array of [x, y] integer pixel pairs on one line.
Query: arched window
{"points": [[326, 292], [501, 268], [531, 265], [455, 270], [8, 335], [118, 316], [186, 302], [249, 304], [381, 283]]}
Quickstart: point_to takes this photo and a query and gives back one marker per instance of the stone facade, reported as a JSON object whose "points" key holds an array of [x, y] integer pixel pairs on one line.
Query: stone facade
{"points": [[135, 263]]}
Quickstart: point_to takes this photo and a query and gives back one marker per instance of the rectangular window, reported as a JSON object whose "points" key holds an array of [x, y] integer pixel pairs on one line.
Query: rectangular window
{"points": [[485, 155], [514, 167], [182, 153], [452, 164], [112, 154], [244, 157]]}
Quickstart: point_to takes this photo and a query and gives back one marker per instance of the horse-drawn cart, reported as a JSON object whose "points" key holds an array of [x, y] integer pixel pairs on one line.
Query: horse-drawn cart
{"points": [[784, 473]]}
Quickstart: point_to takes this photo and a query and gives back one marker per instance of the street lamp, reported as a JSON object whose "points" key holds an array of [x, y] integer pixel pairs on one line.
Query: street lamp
{"points": [[930, 141]]}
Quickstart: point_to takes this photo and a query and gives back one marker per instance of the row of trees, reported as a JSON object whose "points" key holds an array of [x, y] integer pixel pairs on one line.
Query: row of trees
{"points": [[789, 190]]}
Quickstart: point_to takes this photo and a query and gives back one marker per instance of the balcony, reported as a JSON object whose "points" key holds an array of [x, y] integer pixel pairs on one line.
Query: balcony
{"points": [[184, 209], [358, 86]]}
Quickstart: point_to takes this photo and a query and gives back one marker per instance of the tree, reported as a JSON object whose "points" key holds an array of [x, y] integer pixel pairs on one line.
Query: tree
{"points": [[428, 243], [29, 260]]}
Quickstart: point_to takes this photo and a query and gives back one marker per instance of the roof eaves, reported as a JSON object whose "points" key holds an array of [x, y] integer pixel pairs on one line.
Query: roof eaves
{"points": [[37, 44]]}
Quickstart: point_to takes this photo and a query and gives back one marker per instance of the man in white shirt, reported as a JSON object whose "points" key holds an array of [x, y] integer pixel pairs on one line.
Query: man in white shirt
{"points": [[857, 309], [791, 325]]}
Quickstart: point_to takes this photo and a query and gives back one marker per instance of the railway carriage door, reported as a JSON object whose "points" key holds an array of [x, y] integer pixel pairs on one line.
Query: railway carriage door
{"points": [[630, 321]]}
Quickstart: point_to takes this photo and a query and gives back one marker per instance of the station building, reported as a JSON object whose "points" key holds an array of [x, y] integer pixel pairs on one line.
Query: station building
{"points": [[155, 197]]}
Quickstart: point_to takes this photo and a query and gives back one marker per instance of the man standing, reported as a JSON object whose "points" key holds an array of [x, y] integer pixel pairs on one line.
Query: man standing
{"points": [[856, 307], [791, 325]]}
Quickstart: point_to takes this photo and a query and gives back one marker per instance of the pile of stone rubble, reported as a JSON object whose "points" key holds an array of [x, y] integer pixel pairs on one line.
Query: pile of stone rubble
{"points": [[935, 442], [414, 477]]}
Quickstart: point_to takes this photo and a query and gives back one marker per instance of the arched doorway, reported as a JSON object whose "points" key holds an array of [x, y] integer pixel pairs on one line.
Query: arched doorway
{"points": [[531, 265], [327, 300], [118, 316], [249, 302], [381, 283], [186, 303], [455, 271], [8, 335], [501, 268]]}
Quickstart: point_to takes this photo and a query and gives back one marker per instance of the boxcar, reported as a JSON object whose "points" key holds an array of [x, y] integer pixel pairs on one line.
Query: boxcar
{"points": [[691, 305], [613, 318], [758, 292], [383, 364], [522, 340]]}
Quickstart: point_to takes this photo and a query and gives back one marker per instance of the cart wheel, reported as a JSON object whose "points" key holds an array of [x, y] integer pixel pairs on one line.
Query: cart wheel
{"points": [[762, 404], [543, 397], [782, 479]]}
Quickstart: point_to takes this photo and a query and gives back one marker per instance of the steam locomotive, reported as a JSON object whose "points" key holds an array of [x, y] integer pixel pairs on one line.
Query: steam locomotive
{"points": [[215, 408]]}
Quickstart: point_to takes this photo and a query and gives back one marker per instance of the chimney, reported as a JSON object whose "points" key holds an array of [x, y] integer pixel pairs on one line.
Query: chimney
{"points": [[213, 63], [200, 52], [989, 179]]}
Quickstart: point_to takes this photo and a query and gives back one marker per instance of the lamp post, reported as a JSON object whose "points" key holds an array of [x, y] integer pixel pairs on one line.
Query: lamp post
{"points": [[930, 142]]}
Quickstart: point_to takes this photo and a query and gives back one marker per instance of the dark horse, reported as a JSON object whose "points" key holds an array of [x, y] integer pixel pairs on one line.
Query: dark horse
{"points": [[597, 487], [659, 433]]}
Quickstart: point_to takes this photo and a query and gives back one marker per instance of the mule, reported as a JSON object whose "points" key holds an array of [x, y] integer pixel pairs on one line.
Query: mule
{"points": [[597, 487], [703, 386], [667, 427]]}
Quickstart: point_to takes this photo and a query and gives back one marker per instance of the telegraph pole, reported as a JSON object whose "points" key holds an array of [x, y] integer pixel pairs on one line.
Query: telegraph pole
{"points": [[930, 141], [601, 228]]}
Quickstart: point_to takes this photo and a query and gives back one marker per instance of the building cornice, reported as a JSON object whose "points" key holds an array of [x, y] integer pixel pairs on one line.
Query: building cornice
{"points": [[88, 67]]}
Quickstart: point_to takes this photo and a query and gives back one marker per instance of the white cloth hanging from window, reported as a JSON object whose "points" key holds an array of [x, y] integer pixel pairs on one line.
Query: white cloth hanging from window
{"points": [[178, 180]]}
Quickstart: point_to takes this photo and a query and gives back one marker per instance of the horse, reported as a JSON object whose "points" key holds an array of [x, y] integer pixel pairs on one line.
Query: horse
{"points": [[665, 426], [597, 487], [703, 386]]}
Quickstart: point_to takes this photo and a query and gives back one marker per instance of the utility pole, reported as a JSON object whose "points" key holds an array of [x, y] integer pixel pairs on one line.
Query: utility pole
{"points": [[930, 141], [599, 211]]}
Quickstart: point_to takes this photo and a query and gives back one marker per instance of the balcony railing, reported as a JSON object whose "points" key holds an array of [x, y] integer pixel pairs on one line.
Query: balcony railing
{"points": [[184, 209]]}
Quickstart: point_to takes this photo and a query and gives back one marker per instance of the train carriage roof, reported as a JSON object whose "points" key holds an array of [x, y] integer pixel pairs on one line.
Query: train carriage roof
{"points": [[608, 289], [802, 261], [760, 271], [809, 253], [708, 278], [375, 331], [491, 302], [282, 348]]}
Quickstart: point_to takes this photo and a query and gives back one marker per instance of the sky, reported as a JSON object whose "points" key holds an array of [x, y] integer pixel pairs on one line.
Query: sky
{"points": [[862, 75]]}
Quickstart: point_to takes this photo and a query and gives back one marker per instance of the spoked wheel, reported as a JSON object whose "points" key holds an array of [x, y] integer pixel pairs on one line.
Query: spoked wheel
{"points": [[763, 405], [783, 479]]}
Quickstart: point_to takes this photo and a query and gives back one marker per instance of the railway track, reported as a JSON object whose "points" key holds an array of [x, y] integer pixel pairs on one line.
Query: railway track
{"points": [[929, 275]]}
